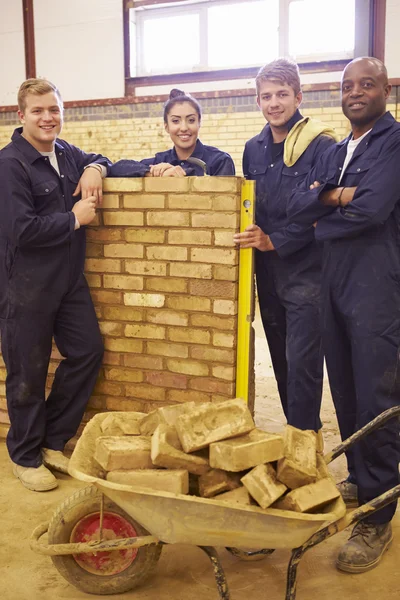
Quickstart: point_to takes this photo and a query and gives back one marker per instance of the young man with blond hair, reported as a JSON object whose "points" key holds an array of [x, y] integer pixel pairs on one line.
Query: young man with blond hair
{"points": [[288, 261], [47, 196]]}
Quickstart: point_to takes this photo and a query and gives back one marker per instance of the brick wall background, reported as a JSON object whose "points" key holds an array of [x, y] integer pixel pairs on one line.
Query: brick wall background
{"points": [[163, 274], [137, 130]]}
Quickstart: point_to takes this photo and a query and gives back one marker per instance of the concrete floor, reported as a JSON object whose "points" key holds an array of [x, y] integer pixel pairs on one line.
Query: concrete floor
{"points": [[184, 572]]}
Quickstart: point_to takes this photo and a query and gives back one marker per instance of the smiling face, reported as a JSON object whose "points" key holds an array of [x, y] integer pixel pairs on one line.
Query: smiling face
{"points": [[183, 126], [42, 120], [364, 93], [278, 103]]}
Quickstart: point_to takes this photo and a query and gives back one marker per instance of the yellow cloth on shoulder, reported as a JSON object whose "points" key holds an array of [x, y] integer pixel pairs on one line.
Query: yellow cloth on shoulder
{"points": [[300, 137]]}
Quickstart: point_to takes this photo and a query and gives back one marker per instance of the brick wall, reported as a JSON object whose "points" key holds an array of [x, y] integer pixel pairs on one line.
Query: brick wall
{"points": [[163, 274]]}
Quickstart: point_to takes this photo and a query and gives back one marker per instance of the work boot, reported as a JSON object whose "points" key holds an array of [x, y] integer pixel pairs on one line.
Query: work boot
{"points": [[365, 547], [349, 494], [37, 479], [55, 460]]}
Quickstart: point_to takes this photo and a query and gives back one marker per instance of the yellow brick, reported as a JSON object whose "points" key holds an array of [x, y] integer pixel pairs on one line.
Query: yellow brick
{"points": [[223, 220], [123, 345], [166, 253], [94, 281], [110, 328], [226, 203], [224, 238], [144, 201], [167, 284], [167, 317], [214, 255], [94, 250], [106, 297], [225, 273], [190, 202], [214, 184], [225, 307], [110, 201], [190, 237], [123, 282], [146, 391], [123, 375], [188, 367], [212, 354], [213, 289], [122, 313], [126, 404], [167, 349], [153, 332], [222, 323], [187, 396], [103, 265], [3, 374], [144, 300], [227, 373], [146, 236], [107, 387], [123, 218], [191, 336], [168, 219], [226, 340], [104, 235], [145, 267], [188, 303], [125, 184], [124, 250], [190, 270], [140, 361], [166, 184]]}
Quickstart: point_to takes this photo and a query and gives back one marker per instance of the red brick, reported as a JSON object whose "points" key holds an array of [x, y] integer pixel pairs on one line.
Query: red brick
{"points": [[163, 379], [211, 385]]}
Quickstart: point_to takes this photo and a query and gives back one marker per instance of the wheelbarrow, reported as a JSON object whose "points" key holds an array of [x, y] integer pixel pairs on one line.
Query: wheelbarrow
{"points": [[108, 537]]}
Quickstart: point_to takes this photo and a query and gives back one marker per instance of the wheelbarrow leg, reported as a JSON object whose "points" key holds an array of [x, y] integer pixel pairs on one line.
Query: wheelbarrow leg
{"points": [[219, 574]]}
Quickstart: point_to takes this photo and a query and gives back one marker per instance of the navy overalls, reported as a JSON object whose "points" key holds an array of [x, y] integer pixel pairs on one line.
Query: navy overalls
{"points": [[217, 162], [361, 297], [43, 293], [288, 279]]}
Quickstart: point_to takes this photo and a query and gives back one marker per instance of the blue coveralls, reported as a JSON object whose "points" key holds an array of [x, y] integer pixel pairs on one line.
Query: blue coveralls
{"points": [[361, 297], [43, 292], [288, 279], [218, 163]]}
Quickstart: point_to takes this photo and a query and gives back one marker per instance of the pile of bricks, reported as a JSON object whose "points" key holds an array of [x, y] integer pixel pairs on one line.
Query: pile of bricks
{"points": [[215, 451]]}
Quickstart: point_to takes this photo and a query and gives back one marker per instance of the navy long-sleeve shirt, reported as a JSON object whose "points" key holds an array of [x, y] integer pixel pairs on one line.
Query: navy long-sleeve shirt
{"points": [[275, 183], [217, 162], [362, 238], [40, 251]]}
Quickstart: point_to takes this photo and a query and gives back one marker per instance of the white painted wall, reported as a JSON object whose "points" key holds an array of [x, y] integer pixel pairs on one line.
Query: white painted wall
{"points": [[79, 46], [392, 38], [12, 51]]}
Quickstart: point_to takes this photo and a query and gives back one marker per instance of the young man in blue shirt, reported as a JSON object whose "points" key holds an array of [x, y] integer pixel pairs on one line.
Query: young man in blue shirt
{"points": [[43, 292], [353, 197], [288, 260]]}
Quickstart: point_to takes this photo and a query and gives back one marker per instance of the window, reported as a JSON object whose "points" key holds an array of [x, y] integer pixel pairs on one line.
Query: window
{"points": [[203, 35]]}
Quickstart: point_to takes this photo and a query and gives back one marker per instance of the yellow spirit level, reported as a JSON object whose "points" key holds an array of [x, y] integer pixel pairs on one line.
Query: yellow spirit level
{"points": [[245, 378]]}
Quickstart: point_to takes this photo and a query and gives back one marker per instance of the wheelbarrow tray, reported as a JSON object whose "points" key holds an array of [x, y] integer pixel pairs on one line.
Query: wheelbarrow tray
{"points": [[184, 519]]}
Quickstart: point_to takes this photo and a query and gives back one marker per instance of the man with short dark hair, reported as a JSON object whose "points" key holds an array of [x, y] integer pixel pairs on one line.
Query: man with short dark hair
{"points": [[43, 292], [353, 194], [288, 260]]}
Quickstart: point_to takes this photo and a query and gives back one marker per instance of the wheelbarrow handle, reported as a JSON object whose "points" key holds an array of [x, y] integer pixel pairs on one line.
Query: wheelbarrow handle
{"points": [[83, 548], [376, 423]]}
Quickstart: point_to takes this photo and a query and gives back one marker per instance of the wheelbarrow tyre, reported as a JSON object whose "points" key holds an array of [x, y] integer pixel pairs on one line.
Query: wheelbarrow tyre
{"points": [[75, 508]]}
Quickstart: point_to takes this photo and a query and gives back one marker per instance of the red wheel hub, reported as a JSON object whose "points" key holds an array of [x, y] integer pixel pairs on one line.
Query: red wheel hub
{"points": [[114, 527]]}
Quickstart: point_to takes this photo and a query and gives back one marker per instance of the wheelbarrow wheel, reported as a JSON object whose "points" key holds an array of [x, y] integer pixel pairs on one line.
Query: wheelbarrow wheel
{"points": [[78, 520]]}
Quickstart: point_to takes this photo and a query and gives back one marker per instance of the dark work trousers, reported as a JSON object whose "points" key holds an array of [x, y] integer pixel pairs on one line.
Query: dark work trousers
{"points": [[361, 335], [289, 299], [26, 341]]}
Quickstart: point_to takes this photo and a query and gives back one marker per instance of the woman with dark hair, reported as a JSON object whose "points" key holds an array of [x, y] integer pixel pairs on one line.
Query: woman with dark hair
{"points": [[182, 119]]}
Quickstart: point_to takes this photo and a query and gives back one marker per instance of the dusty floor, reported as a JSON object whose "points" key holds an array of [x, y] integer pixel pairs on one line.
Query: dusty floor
{"points": [[183, 572]]}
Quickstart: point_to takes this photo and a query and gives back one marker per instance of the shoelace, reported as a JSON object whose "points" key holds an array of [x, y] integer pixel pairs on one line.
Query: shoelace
{"points": [[365, 530]]}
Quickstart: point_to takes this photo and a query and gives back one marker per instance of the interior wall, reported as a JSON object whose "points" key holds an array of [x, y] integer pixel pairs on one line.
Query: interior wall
{"points": [[12, 50], [392, 38], [79, 46]]}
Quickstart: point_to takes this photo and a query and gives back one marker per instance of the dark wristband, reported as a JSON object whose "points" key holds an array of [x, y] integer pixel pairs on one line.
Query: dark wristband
{"points": [[340, 197]]}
